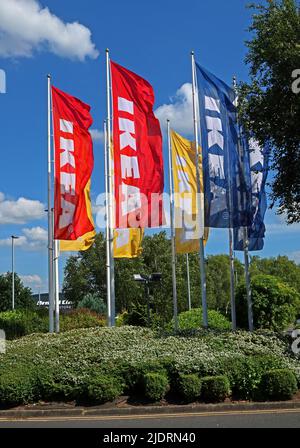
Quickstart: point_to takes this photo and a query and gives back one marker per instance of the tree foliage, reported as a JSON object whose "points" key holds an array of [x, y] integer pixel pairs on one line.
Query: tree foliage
{"points": [[269, 107], [275, 304], [23, 294], [86, 274]]}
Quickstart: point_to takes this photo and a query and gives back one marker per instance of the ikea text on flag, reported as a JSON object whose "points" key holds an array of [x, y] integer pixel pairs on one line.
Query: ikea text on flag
{"points": [[73, 166], [226, 189], [259, 167], [137, 142]]}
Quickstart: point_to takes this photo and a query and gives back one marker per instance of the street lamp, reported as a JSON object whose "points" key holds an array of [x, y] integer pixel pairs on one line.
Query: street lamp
{"points": [[147, 279], [13, 238]]}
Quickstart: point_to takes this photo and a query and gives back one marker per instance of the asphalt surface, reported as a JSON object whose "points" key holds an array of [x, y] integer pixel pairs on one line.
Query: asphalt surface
{"points": [[284, 418]]}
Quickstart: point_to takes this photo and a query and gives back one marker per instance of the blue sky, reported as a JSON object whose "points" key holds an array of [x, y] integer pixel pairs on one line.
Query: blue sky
{"points": [[153, 39]]}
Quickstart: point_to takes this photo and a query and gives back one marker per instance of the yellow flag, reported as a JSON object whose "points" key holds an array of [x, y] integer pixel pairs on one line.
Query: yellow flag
{"points": [[187, 225], [84, 242], [128, 243]]}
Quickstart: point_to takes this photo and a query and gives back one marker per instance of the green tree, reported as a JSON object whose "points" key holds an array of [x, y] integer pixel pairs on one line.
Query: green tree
{"points": [[94, 303], [276, 305], [86, 274], [281, 267], [218, 281], [269, 108], [23, 295]]}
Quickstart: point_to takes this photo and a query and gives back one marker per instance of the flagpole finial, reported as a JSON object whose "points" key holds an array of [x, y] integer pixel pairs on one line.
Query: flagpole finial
{"points": [[48, 76], [192, 53], [168, 121], [107, 50]]}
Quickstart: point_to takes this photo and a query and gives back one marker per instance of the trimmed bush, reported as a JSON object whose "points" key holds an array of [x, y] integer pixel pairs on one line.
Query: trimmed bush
{"points": [[18, 387], [189, 387], [156, 385], [215, 389], [104, 388], [280, 385], [193, 320], [245, 373]]}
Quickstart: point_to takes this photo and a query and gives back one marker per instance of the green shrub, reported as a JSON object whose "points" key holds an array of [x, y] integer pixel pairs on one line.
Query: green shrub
{"points": [[275, 304], [280, 384], [134, 373], [61, 365], [93, 303], [189, 387], [18, 386], [215, 389], [193, 320], [156, 386], [80, 318], [103, 388], [19, 323], [245, 373]]}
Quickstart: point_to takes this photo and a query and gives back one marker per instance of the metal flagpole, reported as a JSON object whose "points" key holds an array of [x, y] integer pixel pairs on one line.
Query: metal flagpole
{"points": [[50, 228], [110, 196], [200, 206], [231, 252], [108, 281], [175, 308], [56, 276], [245, 237], [232, 284], [188, 281]]}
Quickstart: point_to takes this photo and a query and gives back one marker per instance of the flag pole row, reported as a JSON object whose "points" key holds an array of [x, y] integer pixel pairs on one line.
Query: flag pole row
{"points": [[136, 170]]}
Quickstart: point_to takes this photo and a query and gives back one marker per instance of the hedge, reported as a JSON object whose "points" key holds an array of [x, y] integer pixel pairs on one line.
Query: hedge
{"points": [[59, 367], [20, 323]]}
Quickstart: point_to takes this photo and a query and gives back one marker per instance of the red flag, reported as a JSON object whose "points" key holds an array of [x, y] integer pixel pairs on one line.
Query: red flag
{"points": [[74, 163], [137, 141]]}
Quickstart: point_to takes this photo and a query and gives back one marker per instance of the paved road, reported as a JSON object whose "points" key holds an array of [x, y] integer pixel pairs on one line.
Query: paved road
{"points": [[239, 419]]}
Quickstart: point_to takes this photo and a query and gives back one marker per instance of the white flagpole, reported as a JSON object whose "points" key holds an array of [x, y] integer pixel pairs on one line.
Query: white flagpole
{"points": [[108, 280], [110, 196], [188, 281], [175, 307], [196, 114], [245, 239], [56, 276], [50, 225]]}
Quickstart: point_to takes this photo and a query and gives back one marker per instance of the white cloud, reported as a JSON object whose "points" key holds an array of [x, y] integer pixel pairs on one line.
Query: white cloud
{"points": [[282, 229], [32, 280], [25, 26], [179, 111], [20, 211], [295, 256], [97, 136], [33, 239]]}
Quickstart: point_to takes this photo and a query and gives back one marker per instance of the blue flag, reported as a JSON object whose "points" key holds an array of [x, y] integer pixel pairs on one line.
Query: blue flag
{"points": [[259, 168], [227, 190]]}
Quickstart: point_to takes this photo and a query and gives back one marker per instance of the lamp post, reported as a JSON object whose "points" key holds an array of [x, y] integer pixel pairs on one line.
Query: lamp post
{"points": [[13, 238], [147, 279]]}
